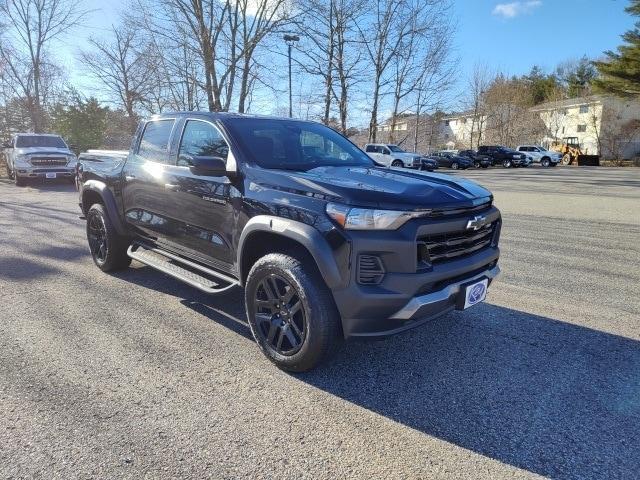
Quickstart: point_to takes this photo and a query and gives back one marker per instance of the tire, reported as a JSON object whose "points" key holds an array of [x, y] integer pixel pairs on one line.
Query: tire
{"points": [[10, 173], [507, 164], [485, 166], [305, 336], [545, 162], [454, 165], [397, 163], [108, 248], [20, 182], [566, 159], [476, 164]]}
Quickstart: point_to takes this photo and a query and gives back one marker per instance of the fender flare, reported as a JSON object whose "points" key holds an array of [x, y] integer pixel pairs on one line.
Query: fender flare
{"points": [[108, 200], [306, 235]]}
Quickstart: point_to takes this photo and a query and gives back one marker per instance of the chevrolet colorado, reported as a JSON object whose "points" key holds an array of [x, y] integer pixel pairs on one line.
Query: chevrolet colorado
{"points": [[325, 243]]}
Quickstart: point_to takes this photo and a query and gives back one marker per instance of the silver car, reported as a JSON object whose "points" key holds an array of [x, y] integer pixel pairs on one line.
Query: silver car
{"points": [[37, 155]]}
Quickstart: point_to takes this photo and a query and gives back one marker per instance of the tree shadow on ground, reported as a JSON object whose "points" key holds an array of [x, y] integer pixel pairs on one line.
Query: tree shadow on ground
{"points": [[542, 395]]}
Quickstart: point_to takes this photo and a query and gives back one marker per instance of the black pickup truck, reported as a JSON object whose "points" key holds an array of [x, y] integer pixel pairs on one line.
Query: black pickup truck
{"points": [[503, 155], [325, 243]]}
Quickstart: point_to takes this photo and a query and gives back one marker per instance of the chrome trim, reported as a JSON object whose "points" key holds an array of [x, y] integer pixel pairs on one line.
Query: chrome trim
{"points": [[416, 303]]}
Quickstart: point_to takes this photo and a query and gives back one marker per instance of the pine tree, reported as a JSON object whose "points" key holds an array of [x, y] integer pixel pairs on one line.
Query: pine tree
{"points": [[620, 72]]}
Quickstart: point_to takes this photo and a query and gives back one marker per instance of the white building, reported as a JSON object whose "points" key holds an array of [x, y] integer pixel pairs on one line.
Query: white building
{"points": [[604, 125], [458, 130]]}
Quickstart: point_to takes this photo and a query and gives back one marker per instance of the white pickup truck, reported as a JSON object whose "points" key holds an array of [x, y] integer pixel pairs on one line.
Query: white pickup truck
{"points": [[540, 155], [391, 155], [38, 155]]}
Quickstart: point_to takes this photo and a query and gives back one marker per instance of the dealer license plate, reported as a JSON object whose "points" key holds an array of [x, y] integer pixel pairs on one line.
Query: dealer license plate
{"points": [[475, 293], [50, 174]]}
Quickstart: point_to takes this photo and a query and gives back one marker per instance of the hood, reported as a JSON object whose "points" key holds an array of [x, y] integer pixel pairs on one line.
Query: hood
{"points": [[42, 151], [377, 187]]}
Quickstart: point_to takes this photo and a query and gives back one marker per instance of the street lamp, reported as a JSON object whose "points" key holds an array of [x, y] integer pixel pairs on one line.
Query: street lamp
{"points": [[290, 41]]}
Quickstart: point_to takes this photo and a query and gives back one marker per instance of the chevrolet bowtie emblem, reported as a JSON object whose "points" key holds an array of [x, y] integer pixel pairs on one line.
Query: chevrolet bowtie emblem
{"points": [[477, 223]]}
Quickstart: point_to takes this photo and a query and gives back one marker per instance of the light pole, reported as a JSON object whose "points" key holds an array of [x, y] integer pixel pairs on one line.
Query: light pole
{"points": [[290, 40]]}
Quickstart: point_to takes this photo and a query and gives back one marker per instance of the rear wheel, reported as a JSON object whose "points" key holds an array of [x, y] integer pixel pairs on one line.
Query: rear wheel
{"points": [[507, 164], [566, 159], [455, 165], [476, 164], [291, 311], [397, 163], [108, 248], [545, 162]]}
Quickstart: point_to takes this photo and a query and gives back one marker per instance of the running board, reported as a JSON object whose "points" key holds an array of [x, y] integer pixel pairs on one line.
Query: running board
{"points": [[191, 273]]}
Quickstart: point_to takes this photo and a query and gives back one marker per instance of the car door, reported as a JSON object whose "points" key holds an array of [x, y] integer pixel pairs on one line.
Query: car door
{"points": [[144, 176], [203, 204]]}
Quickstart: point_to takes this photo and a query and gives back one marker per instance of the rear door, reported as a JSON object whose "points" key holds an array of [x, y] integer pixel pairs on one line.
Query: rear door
{"points": [[144, 179]]}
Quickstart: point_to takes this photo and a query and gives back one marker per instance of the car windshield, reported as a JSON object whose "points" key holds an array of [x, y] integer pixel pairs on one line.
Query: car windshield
{"points": [[542, 149], [395, 148], [294, 145], [23, 141]]}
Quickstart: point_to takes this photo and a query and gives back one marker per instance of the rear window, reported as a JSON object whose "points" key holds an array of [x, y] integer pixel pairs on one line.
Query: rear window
{"points": [[25, 141], [154, 144]]}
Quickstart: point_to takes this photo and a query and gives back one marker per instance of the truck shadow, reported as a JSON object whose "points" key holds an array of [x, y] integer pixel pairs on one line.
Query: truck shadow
{"points": [[546, 396]]}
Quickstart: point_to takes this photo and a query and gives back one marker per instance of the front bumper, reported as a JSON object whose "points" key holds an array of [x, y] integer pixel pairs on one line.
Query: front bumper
{"points": [[407, 296], [41, 172]]}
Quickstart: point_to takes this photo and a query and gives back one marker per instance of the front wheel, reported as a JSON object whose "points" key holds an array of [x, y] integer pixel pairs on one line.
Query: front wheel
{"points": [[455, 165], [507, 164], [19, 181], [397, 163], [566, 159], [476, 164], [545, 162], [108, 248], [291, 312]]}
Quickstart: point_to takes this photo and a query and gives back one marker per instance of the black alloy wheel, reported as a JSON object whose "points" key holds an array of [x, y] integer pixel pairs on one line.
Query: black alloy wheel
{"points": [[454, 165], [280, 315], [397, 163], [507, 164], [476, 164], [97, 237]]}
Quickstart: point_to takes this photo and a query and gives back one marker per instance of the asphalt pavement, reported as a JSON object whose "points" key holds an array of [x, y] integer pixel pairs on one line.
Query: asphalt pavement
{"points": [[135, 375]]}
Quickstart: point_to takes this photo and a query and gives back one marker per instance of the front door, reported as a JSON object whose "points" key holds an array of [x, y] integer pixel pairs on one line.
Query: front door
{"points": [[203, 205]]}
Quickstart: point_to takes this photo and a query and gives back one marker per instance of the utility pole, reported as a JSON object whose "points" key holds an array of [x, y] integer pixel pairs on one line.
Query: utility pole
{"points": [[290, 41]]}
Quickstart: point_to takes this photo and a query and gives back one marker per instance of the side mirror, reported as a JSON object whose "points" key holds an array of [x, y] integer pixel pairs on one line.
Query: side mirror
{"points": [[387, 152], [201, 165]]}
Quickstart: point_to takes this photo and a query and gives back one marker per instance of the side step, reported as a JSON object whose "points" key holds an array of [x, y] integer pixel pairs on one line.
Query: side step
{"points": [[194, 274]]}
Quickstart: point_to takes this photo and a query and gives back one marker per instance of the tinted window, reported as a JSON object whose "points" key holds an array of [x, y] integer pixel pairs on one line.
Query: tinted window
{"points": [[292, 144], [154, 144], [201, 139], [371, 149], [23, 141], [395, 148]]}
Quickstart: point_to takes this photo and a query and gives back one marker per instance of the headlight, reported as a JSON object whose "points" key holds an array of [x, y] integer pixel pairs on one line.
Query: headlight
{"points": [[24, 159], [370, 219]]}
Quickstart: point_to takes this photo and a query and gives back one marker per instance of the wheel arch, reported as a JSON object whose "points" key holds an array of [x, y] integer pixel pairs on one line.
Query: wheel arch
{"points": [[265, 234], [94, 191]]}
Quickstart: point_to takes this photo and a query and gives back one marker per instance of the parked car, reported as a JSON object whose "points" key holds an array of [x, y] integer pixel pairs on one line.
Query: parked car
{"points": [[479, 161], [38, 155], [540, 155], [505, 156], [451, 160], [390, 155], [326, 245]]}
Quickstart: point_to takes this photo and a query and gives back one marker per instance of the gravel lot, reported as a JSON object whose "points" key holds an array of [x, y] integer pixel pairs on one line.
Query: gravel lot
{"points": [[137, 375]]}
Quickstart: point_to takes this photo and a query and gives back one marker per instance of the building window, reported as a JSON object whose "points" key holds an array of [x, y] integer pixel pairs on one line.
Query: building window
{"points": [[562, 129], [582, 128], [446, 122], [584, 108]]}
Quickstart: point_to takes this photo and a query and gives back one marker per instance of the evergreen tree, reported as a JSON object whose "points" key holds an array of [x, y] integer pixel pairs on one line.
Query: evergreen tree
{"points": [[620, 72], [82, 122]]}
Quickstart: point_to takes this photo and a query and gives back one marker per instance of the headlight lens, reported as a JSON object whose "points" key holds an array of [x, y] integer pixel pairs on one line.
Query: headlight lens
{"points": [[370, 219], [24, 159]]}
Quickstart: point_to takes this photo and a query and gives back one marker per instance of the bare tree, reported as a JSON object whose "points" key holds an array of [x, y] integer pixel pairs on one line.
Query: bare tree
{"points": [[32, 26], [478, 85], [120, 66]]}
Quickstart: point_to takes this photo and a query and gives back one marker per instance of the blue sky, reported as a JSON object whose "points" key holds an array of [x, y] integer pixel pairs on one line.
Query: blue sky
{"points": [[511, 36], [508, 36]]}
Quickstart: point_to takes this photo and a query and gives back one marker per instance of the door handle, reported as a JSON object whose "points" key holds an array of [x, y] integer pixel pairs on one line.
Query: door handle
{"points": [[129, 178], [171, 186]]}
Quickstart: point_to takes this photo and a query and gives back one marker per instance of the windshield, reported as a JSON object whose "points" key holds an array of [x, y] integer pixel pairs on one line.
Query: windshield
{"points": [[23, 141], [395, 148], [542, 149], [294, 145]]}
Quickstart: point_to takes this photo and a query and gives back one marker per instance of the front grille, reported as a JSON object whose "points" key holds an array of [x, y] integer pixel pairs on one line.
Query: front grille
{"points": [[433, 249], [48, 161], [370, 270]]}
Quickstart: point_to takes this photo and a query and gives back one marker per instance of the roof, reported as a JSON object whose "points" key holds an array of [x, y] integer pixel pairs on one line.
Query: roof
{"points": [[31, 134], [570, 102], [222, 115]]}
